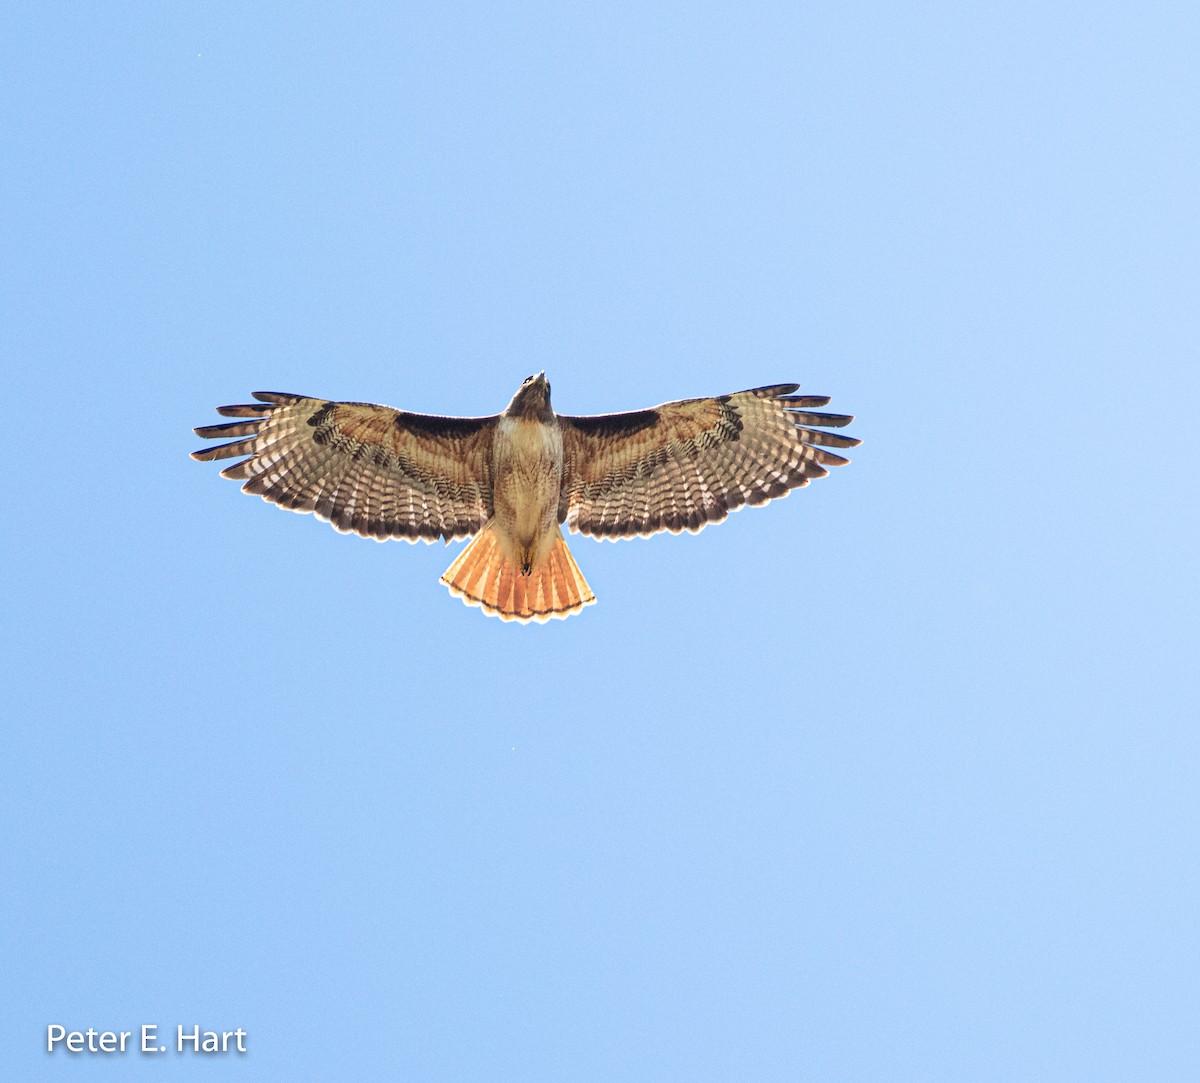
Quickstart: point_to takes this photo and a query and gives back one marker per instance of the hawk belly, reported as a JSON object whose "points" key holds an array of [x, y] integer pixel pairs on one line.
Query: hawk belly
{"points": [[527, 459]]}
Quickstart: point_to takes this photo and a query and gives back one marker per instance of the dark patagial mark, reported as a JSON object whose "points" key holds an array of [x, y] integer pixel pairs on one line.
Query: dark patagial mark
{"points": [[615, 424], [434, 426]]}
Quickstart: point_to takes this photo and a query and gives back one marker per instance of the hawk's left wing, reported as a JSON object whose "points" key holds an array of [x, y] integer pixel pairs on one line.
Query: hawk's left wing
{"points": [[684, 464], [379, 472]]}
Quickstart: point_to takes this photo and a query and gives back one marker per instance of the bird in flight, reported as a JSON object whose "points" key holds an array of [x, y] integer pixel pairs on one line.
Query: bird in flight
{"points": [[509, 481]]}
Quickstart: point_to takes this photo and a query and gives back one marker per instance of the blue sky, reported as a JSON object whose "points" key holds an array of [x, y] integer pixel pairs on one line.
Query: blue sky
{"points": [[894, 779]]}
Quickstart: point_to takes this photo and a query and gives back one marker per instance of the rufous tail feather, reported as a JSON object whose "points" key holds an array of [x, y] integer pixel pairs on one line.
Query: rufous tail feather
{"points": [[483, 576]]}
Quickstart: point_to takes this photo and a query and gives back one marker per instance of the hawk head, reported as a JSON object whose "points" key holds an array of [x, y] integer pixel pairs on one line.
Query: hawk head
{"points": [[532, 400]]}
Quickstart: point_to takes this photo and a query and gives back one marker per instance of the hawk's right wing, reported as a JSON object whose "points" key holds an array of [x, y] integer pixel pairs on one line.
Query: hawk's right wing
{"points": [[685, 464], [369, 469]]}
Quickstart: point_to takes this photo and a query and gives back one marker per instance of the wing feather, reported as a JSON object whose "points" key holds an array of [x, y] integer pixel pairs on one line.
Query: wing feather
{"points": [[367, 469], [685, 464], [829, 439], [251, 409]]}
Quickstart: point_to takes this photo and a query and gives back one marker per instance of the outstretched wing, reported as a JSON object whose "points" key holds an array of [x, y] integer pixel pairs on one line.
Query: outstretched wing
{"points": [[685, 464], [379, 472]]}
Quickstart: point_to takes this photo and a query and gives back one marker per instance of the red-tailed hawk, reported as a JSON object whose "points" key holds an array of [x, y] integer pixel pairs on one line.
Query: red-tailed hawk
{"points": [[511, 479]]}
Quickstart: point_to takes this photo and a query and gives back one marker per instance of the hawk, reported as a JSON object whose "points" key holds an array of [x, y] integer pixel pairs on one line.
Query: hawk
{"points": [[510, 480]]}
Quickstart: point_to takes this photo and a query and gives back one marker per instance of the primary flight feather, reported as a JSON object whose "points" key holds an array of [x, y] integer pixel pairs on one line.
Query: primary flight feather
{"points": [[512, 479]]}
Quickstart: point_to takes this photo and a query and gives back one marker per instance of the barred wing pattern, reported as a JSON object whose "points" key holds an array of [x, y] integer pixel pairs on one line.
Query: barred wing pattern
{"points": [[378, 472], [685, 464]]}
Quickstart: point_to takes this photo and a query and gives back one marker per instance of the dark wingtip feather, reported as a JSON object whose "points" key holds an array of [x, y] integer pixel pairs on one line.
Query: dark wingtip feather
{"points": [[825, 458], [225, 451], [244, 409], [816, 417], [275, 396], [229, 428], [830, 439]]}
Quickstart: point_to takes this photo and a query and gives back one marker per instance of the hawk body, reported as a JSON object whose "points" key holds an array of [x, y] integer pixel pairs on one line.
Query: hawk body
{"points": [[511, 480]]}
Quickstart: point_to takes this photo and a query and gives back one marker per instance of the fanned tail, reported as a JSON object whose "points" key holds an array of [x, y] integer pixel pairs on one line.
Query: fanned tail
{"points": [[483, 576]]}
